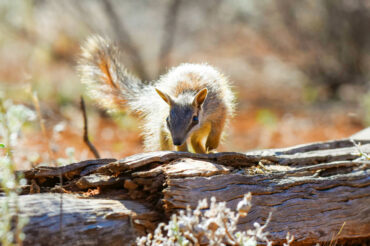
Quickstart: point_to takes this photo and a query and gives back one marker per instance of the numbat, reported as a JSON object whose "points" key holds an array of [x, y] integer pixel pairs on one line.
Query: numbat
{"points": [[189, 105]]}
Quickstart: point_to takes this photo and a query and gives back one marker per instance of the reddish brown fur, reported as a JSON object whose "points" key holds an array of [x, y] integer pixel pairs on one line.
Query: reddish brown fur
{"points": [[114, 87], [192, 85], [104, 67]]}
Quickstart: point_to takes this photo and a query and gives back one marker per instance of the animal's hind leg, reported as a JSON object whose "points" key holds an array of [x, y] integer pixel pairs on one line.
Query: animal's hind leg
{"points": [[214, 136]]}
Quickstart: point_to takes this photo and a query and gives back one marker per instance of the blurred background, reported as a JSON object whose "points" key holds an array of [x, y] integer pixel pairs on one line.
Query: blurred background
{"points": [[300, 69]]}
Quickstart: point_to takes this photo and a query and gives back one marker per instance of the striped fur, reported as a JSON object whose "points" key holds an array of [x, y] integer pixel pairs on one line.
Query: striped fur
{"points": [[114, 88]]}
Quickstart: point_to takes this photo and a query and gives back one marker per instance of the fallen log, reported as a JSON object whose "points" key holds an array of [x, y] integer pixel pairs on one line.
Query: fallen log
{"points": [[85, 221], [316, 192]]}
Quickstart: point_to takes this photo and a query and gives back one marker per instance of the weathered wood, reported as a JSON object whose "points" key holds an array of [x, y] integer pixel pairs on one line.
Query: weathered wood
{"points": [[68, 170], [301, 155], [141, 160], [311, 207], [334, 144], [84, 221], [362, 135], [310, 189], [98, 180]]}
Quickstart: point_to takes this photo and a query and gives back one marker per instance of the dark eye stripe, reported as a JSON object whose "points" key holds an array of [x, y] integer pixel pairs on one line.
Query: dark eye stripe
{"points": [[193, 123], [168, 121]]}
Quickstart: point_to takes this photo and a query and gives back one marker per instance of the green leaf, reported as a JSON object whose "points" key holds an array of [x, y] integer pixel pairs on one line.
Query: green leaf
{"points": [[2, 145]]}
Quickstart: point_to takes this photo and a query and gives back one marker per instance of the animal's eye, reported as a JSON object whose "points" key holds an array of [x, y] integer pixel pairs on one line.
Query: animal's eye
{"points": [[195, 119]]}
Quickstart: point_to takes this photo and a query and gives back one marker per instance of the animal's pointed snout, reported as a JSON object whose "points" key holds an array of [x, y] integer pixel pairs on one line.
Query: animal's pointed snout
{"points": [[177, 141]]}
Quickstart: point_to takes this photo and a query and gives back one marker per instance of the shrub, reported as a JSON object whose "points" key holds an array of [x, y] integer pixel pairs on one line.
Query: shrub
{"points": [[214, 226]]}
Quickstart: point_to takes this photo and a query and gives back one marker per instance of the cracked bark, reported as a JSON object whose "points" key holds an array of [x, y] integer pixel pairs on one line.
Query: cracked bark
{"points": [[310, 189]]}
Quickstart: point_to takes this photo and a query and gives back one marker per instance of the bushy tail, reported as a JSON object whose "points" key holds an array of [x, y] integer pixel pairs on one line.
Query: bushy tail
{"points": [[107, 81]]}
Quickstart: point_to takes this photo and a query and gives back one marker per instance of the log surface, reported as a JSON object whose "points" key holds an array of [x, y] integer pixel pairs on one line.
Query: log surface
{"points": [[84, 221], [310, 208], [313, 191]]}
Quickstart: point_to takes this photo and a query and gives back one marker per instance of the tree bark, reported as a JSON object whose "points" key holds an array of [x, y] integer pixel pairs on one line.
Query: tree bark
{"points": [[84, 221], [318, 192]]}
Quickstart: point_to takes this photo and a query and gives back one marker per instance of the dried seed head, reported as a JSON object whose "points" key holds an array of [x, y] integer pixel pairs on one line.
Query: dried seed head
{"points": [[244, 205], [213, 226]]}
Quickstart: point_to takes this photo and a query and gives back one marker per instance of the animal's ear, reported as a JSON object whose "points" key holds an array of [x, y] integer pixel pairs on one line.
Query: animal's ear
{"points": [[165, 97], [200, 97]]}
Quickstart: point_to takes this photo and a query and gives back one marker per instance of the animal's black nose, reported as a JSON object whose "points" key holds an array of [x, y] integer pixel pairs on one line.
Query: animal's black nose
{"points": [[177, 142]]}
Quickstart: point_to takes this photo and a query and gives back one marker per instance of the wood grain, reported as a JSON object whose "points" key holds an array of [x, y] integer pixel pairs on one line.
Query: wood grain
{"points": [[85, 221], [312, 191]]}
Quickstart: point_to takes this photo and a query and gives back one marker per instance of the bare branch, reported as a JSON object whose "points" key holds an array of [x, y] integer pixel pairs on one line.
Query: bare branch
{"points": [[86, 133]]}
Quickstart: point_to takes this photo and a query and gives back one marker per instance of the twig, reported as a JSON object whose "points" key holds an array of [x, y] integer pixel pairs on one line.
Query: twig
{"points": [[358, 147], [168, 35], [86, 135], [334, 239], [289, 239], [123, 36], [231, 239]]}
